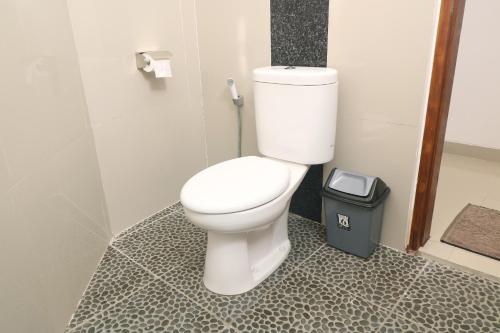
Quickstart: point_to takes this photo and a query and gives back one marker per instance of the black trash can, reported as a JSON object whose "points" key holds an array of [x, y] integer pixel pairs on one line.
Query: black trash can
{"points": [[354, 208]]}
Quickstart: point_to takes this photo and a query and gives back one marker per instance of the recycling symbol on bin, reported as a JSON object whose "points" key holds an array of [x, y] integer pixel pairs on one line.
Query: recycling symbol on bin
{"points": [[343, 222]]}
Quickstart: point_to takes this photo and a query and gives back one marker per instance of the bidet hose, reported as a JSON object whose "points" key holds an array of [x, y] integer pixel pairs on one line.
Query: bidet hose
{"points": [[239, 104], [239, 131]]}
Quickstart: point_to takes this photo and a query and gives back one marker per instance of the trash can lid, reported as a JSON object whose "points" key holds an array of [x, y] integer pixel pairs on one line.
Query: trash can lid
{"points": [[350, 182], [356, 189]]}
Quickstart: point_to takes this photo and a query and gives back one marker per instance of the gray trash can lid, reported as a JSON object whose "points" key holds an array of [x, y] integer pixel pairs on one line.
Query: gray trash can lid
{"points": [[356, 189]]}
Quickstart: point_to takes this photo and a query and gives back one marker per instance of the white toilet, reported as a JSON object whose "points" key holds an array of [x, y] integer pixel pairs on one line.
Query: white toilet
{"points": [[243, 203]]}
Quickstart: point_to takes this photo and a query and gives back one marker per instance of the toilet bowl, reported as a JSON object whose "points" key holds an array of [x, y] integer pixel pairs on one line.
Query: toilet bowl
{"points": [[247, 231], [243, 203]]}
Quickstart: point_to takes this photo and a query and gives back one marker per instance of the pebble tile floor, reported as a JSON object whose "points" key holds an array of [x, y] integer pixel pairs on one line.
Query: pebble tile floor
{"points": [[150, 280]]}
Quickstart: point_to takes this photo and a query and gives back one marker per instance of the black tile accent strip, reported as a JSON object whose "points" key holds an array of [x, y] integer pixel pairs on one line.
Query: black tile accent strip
{"points": [[299, 32], [299, 37], [307, 201]]}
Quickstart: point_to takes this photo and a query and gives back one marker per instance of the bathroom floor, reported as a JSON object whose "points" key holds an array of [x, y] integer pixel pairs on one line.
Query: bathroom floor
{"points": [[463, 180], [150, 280]]}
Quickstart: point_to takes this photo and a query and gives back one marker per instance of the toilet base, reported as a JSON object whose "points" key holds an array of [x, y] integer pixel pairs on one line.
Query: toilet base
{"points": [[271, 262], [237, 262]]}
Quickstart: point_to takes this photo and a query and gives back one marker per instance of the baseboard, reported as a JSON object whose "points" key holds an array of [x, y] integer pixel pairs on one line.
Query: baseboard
{"points": [[483, 153]]}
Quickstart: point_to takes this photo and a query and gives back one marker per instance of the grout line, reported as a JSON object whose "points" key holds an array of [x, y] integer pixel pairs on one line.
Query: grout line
{"points": [[142, 224], [285, 276], [352, 294], [110, 245], [138, 264], [308, 257], [181, 291], [155, 277], [398, 315], [159, 277], [46, 159], [250, 305], [123, 232], [190, 84], [393, 311], [295, 267], [359, 296], [112, 304], [85, 290], [432, 258], [203, 106], [83, 225]]}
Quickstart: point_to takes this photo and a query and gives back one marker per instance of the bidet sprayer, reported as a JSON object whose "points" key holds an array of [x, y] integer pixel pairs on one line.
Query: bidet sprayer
{"points": [[238, 101], [232, 88], [237, 98]]}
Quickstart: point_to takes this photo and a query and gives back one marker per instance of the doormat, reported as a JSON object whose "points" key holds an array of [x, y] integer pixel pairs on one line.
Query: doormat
{"points": [[475, 229]]}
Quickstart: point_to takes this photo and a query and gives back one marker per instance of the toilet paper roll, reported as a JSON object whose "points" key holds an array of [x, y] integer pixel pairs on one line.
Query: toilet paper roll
{"points": [[150, 63], [161, 68]]}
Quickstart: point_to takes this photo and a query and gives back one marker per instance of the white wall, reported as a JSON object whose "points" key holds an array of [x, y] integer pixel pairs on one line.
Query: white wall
{"points": [[53, 222], [384, 67], [474, 117], [234, 38], [152, 135], [149, 133], [382, 50]]}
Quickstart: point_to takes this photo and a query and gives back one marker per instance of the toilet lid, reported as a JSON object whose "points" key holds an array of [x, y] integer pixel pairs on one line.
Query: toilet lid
{"points": [[235, 185]]}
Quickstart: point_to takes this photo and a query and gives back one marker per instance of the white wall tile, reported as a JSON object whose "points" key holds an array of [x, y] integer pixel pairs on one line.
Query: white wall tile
{"points": [[149, 132], [382, 50], [385, 150], [43, 108], [235, 38], [5, 180], [145, 160], [53, 224]]}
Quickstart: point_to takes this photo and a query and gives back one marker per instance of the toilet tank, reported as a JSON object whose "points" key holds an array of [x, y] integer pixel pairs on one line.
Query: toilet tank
{"points": [[296, 113]]}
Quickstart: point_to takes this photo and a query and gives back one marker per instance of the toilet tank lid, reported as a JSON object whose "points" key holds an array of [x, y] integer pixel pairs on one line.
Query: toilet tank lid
{"points": [[295, 75]]}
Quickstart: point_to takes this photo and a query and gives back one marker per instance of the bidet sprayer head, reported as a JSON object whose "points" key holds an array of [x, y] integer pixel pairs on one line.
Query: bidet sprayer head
{"points": [[237, 98], [232, 88]]}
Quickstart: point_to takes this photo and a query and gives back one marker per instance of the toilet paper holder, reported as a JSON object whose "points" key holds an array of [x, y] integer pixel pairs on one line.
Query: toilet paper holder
{"points": [[142, 61], [156, 61]]}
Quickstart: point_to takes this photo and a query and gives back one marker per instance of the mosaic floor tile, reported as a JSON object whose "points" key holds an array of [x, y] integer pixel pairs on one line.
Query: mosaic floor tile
{"points": [[301, 303], [155, 308], [447, 300], [382, 279], [165, 244], [189, 280], [161, 214], [398, 324], [306, 236], [116, 278], [316, 289]]}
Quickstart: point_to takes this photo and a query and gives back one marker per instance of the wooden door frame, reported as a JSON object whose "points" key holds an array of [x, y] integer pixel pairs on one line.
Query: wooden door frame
{"points": [[443, 71]]}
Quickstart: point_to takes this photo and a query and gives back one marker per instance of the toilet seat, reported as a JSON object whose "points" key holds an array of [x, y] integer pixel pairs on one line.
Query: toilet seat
{"points": [[235, 185]]}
